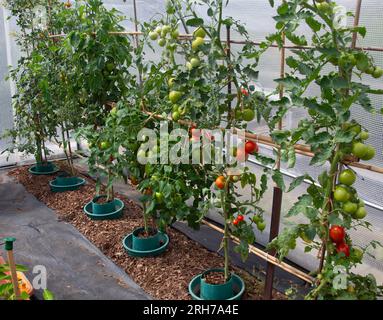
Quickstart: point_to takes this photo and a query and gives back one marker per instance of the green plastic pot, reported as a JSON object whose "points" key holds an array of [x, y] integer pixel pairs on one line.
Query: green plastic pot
{"points": [[117, 213], [232, 290], [127, 243], [45, 168], [103, 208], [145, 244], [61, 184]]}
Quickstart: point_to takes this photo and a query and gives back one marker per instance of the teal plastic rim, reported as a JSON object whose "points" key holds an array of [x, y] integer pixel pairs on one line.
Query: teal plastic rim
{"points": [[61, 188], [109, 216], [127, 244], [238, 285], [32, 170]]}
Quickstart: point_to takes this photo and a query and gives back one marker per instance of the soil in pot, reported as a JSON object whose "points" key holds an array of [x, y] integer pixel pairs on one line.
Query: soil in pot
{"points": [[102, 200], [146, 240], [215, 277], [214, 285]]}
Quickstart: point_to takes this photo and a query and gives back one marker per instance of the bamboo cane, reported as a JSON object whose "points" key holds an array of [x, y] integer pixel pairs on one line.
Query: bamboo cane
{"points": [[267, 257]]}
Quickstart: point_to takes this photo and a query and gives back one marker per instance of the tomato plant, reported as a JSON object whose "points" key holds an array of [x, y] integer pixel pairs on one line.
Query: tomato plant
{"points": [[35, 122], [332, 205]]}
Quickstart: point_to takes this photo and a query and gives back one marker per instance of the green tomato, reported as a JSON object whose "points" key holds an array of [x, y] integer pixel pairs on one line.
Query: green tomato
{"points": [[350, 207], [341, 194], [361, 213], [370, 153], [361, 203], [248, 115], [195, 62], [162, 42], [378, 73], [159, 197], [174, 96], [104, 145], [153, 35], [358, 253], [370, 70], [324, 7], [356, 128], [176, 116], [175, 34], [359, 149], [197, 43], [238, 114], [171, 82], [261, 225], [165, 30], [347, 177], [199, 33], [364, 135], [189, 66], [158, 30], [175, 108]]}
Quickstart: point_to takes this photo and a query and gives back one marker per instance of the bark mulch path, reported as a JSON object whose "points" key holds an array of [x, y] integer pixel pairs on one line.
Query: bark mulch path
{"points": [[165, 277]]}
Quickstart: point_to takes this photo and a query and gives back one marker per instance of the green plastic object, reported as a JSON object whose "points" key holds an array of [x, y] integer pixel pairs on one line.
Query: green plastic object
{"points": [[128, 246], [116, 214], [237, 289], [145, 244], [9, 243], [43, 168], [103, 208], [61, 184]]}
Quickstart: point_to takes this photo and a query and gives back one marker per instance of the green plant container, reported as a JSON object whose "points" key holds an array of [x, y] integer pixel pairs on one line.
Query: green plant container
{"points": [[162, 244], [43, 168], [104, 208], [232, 290], [145, 244], [117, 212], [62, 184]]}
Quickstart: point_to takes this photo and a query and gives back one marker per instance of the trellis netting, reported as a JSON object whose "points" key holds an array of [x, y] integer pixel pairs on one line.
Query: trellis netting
{"points": [[258, 17]]}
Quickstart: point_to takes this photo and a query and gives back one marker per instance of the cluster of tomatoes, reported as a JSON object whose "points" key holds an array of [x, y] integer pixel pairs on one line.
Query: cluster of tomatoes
{"points": [[164, 34], [338, 237], [347, 197]]}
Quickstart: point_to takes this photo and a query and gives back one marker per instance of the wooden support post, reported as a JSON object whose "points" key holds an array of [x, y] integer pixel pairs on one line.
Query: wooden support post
{"points": [[274, 231]]}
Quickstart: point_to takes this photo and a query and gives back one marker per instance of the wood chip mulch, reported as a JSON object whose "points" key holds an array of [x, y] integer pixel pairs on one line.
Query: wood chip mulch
{"points": [[165, 277]]}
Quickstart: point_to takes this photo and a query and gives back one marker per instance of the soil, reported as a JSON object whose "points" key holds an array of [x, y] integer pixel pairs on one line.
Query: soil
{"points": [[215, 277], [102, 200], [165, 277], [144, 234]]}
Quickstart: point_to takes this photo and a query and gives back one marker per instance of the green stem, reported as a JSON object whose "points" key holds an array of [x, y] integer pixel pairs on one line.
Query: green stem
{"points": [[226, 235]]}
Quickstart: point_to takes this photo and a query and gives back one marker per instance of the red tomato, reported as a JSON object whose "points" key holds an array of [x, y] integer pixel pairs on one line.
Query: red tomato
{"points": [[245, 92], [220, 182], [251, 147], [235, 222], [343, 247], [337, 234], [240, 218]]}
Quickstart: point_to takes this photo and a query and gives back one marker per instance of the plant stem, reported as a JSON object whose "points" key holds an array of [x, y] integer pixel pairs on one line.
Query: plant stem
{"points": [[226, 234]]}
